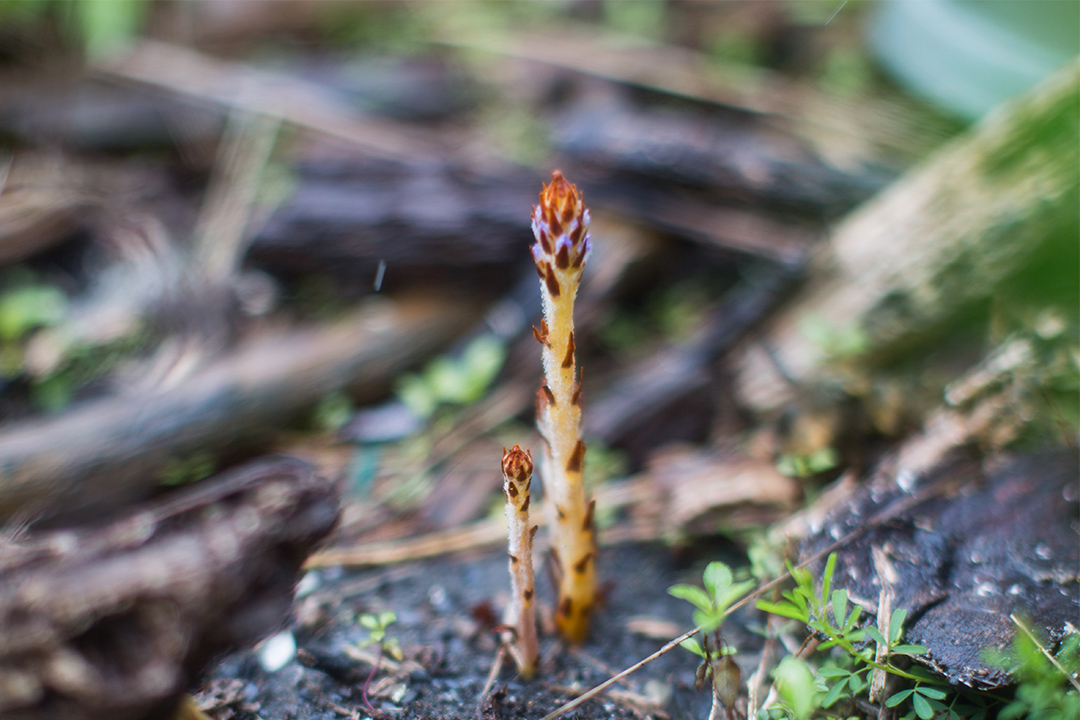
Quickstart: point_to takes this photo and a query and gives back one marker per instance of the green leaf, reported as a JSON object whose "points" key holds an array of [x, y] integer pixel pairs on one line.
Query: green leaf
{"points": [[795, 686], [839, 607], [708, 621], [733, 593], [29, 307], [853, 618], [821, 460], [109, 24], [481, 361], [898, 698], [896, 625], [693, 595], [930, 692], [693, 646], [717, 578], [833, 695], [922, 708], [875, 635], [909, 650], [1012, 711], [417, 395], [923, 674], [833, 672], [787, 610], [827, 576]]}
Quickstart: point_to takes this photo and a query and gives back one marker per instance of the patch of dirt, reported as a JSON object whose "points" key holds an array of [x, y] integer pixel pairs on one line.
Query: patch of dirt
{"points": [[449, 648]]}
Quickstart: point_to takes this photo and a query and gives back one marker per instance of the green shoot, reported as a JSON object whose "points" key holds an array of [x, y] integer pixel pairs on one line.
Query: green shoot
{"points": [[712, 603], [376, 626]]}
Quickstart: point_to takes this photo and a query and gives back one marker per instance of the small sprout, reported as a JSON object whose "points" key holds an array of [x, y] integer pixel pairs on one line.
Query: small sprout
{"points": [[376, 626], [720, 592], [803, 466], [517, 468]]}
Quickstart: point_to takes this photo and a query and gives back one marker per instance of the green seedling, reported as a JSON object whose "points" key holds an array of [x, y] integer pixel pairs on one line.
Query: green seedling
{"points": [[710, 609], [376, 626], [711, 603]]}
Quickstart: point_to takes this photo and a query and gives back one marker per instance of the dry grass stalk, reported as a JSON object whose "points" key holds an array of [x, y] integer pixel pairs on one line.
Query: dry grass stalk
{"points": [[560, 224], [517, 467]]}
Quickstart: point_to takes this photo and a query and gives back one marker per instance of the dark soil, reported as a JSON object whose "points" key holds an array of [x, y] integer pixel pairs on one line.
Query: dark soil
{"points": [[449, 649]]}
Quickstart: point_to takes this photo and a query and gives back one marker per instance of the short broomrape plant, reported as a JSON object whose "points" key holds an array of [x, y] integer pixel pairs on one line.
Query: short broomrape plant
{"points": [[517, 467], [560, 224]]}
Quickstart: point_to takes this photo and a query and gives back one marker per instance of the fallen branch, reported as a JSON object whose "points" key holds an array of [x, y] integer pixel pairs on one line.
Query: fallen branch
{"points": [[116, 449]]}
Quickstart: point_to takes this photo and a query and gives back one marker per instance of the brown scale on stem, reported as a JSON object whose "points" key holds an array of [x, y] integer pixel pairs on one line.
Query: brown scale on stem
{"points": [[560, 224]]}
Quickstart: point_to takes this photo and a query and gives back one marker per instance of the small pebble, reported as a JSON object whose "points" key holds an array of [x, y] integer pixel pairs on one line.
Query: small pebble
{"points": [[277, 651]]}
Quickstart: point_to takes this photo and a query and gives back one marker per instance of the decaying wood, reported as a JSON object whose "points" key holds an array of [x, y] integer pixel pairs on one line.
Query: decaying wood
{"points": [[965, 542], [430, 224], [749, 231], [867, 132], [115, 449], [1003, 541], [114, 621], [735, 160], [231, 85], [940, 238]]}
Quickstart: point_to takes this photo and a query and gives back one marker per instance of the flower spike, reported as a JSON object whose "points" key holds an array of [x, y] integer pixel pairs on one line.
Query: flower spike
{"points": [[560, 224]]}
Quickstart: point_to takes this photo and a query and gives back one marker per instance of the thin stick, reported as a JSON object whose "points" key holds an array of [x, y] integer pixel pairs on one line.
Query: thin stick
{"points": [[496, 668], [1053, 660]]}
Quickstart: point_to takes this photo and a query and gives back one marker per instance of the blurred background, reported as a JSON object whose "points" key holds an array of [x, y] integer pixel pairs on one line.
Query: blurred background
{"points": [[233, 228], [187, 185]]}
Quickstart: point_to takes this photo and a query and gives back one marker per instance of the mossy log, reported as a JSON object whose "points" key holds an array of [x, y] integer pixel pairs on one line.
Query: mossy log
{"points": [[940, 239]]}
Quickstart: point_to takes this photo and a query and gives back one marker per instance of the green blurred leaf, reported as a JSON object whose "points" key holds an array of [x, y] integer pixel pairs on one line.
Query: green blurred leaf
{"points": [[693, 595], [693, 646], [108, 25], [717, 577], [896, 625], [787, 610], [795, 686], [29, 307]]}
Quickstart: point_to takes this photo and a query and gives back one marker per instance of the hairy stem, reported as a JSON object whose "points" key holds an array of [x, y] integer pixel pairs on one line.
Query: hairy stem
{"points": [[560, 225], [517, 468]]}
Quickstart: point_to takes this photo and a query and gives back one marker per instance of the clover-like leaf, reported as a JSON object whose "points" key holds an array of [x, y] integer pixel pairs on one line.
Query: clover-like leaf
{"points": [[875, 635], [896, 625], [693, 595], [717, 579]]}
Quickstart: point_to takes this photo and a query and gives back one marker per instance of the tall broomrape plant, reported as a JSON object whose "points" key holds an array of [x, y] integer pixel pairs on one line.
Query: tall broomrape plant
{"points": [[560, 224], [517, 467]]}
